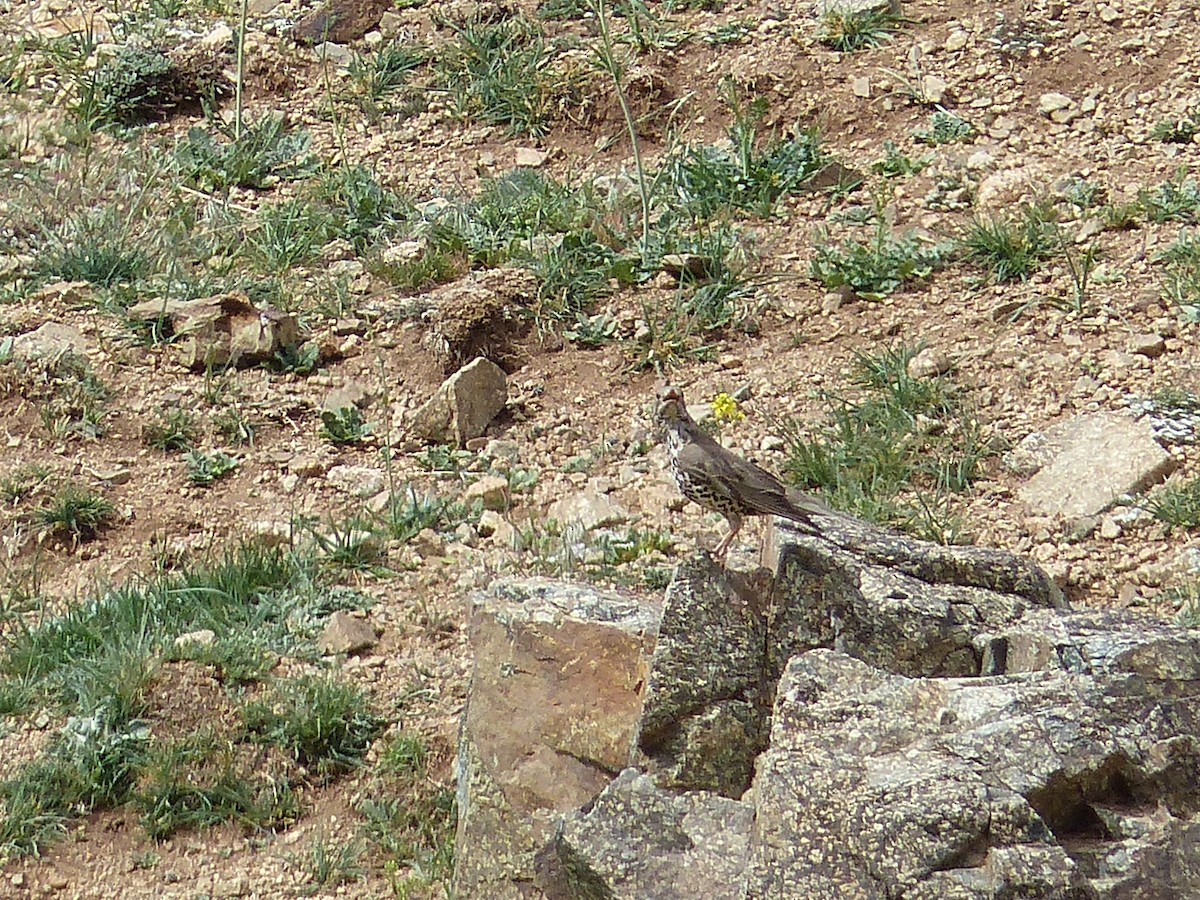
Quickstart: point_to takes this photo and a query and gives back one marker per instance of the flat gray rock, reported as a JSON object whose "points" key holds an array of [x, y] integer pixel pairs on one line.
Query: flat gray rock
{"points": [[464, 405], [1084, 464]]}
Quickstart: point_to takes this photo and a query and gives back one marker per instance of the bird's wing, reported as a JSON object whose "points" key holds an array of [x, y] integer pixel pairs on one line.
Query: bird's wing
{"points": [[741, 481]]}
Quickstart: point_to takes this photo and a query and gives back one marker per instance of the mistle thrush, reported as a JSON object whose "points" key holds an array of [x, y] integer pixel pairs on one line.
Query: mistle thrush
{"points": [[720, 480]]}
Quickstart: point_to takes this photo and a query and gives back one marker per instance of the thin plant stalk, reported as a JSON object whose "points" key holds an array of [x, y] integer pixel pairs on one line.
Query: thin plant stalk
{"points": [[607, 61], [241, 70]]}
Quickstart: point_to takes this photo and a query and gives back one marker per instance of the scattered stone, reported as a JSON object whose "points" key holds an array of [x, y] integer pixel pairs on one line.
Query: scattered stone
{"points": [[957, 40], [273, 532], [357, 481], [491, 490], [929, 363], [1110, 529], [428, 543], [464, 405], [218, 37], [115, 474], [495, 526], [1108, 14], [340, 21], [226, 329], [349, 395], [1150, 345], [861, 85], [528, 157], [345, 634], [934, 88], [50, 340], [337, 54], [588, 509], [1084, 464], [204, 637], [1053, 102]]}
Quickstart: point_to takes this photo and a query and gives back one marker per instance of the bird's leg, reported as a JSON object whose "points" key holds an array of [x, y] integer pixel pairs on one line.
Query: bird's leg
{"points": [[735, 524]]}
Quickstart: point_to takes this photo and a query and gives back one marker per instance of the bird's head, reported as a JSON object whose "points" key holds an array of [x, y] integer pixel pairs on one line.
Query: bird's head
{"points": [[671, 409]]}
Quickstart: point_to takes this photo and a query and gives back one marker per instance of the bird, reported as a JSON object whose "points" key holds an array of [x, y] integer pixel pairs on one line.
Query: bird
{"points": [[718, 479]]}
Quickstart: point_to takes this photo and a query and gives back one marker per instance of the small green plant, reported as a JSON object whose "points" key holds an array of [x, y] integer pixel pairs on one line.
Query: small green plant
{"points": [[945, 128], [592, 331], [876, 269], [1182, 263], [736, 32], [1012, 249], [297, 359], [1084, 194], [1175, 200], [174, 431], [264, 154], [1177, 505], [1181, 130], [408, 514], [287, 235], [344, 426], [896, 453], [331, 866], [709, 180], [502, 73], [897, 164], [205, 468], [847, 30], [360, 209], [22, 482], [233, 427], [324, 722], [383, 72], [76, 512], [92, 246]]}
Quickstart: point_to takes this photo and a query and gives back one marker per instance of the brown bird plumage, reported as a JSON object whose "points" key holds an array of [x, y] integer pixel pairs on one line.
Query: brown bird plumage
{"points": [[718, 479]]}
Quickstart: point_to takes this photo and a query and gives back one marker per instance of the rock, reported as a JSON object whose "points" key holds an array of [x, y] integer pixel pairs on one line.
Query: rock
{"points": [[957, 40], [1151, 345], [335, 54], [51, 339], [347, 396], [1084, 464], [218, 37], [340, 21], [226, 329], [929, 363], [1109, 14], [345, 634], [934, 88], [588, 509], [495, 526], [204, 637], [695, 843], [861, 86], [1053, 102], [528, 157], [428, 543], [886, 778], [357, 481], [490, 490], [464, 405], [550, 715]]}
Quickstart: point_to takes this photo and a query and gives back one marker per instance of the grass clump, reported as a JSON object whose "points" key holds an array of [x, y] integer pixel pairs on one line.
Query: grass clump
{"points": [[1175, 200], [76, 512], [1178, 506], [1182, 263], [896, 452], [1012, 249], [847, 30], [324, 722], [502, 73], [174, 431]]}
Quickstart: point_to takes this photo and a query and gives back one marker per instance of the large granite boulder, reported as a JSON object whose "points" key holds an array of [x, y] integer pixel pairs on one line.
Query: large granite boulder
{"points": [[866, 717]]}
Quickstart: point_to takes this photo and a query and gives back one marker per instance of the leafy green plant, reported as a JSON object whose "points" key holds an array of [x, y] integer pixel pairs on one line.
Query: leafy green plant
{"points": [[847, 30], [897, 164], [360, 209], [260, 157], [1177, 505], [1175, 200], [1181, 130], [324, 722], [205, 468], [21, 483], [77, 512], [878, 268], [233, 426], [344, 426], [945, 128]]}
